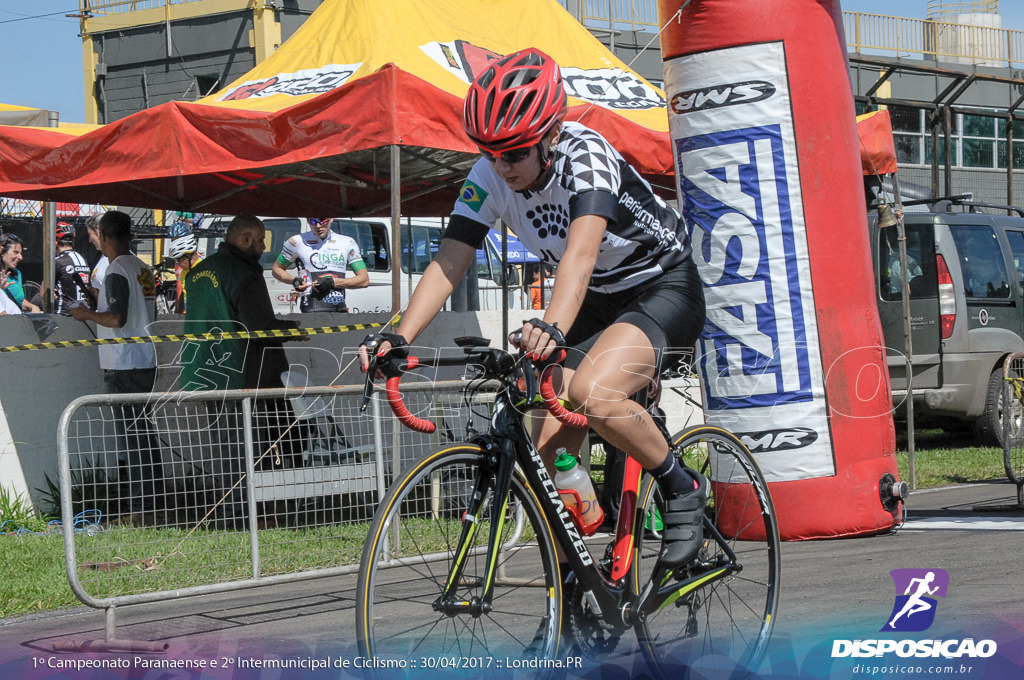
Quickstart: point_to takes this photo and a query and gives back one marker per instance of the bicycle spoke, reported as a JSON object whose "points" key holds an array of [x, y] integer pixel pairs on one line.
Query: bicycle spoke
{"points": [[396, 609], [730, 615]]}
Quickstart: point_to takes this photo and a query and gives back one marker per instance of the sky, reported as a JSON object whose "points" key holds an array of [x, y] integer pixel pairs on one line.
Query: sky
{"points": [[41, 53]]}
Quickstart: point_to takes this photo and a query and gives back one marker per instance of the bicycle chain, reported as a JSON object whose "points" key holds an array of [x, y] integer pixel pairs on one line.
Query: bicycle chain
{"points": [[589, 634]]}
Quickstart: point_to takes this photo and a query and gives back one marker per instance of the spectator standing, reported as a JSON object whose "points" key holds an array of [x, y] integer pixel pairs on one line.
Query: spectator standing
{"points": [[185, 252], [72, 273], [227, 293], [92, 225], [125, 309], [540, 286], [323, 258], [11, 255]]}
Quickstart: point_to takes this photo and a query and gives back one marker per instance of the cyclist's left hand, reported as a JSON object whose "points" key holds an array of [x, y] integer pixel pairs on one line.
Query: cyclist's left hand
{"points": [[385, 347]]}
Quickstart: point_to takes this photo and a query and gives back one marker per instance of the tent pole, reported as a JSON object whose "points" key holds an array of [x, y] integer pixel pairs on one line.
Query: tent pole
{"points": [[49, 241], [908, 345], [504, 286], [396, 231]]}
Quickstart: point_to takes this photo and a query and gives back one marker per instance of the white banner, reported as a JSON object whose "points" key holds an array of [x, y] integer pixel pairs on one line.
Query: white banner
{"points": [[732, 132]]}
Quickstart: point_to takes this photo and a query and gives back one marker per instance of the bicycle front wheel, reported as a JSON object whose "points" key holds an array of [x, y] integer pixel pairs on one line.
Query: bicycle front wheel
{"points": [[413, 547], [728, 617]]}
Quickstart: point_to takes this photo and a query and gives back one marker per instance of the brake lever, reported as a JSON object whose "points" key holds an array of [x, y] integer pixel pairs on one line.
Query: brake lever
{"points": [[371, 370]]}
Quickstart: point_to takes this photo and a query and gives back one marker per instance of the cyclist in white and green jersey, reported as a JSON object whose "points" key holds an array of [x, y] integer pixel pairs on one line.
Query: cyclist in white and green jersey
{"points": [[323, 258]]}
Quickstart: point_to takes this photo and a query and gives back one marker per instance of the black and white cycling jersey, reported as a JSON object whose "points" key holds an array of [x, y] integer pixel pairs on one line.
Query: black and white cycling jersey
{"points": [[645, 236], [72, 279]]}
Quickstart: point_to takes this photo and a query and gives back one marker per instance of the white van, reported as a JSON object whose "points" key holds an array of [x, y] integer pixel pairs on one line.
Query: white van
{"points": [[420, 238]]}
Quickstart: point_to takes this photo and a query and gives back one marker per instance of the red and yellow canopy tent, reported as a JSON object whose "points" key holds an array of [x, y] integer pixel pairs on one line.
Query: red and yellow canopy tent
{"points": [[25, 134], [361, 93]]}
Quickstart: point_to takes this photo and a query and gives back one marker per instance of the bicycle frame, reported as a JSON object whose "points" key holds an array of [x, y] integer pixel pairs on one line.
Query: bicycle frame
{"points": [[508, 444]]}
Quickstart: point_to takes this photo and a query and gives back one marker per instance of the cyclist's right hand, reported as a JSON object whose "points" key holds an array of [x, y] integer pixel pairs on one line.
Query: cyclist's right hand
{"points": [[379, 349], [539, 340]]}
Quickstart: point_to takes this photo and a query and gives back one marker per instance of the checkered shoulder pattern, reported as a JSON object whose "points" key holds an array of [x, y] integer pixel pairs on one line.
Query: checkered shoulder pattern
{"points": [[589, 162]]}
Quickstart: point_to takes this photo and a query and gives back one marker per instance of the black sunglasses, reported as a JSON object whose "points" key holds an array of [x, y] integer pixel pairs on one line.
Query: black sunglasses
{"points": [[511, 157], [9, 240]]}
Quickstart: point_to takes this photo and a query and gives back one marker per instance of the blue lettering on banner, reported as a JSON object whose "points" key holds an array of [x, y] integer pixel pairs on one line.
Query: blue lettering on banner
{"points": [[741, 196], [736, 197]]}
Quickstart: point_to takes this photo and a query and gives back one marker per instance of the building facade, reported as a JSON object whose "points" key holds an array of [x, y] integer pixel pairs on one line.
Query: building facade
{"points": [[956, 70]]}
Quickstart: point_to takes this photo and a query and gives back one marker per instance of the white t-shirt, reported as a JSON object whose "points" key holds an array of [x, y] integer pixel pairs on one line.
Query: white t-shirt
{"points": [[98, 272], [140, 313], [7, 305]]}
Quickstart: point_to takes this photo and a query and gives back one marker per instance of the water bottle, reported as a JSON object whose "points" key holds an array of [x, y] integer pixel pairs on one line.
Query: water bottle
{"points": [[571, 476]]}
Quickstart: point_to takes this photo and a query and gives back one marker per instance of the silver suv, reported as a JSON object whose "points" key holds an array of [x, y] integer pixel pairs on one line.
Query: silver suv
{"points": [[966, 272]]}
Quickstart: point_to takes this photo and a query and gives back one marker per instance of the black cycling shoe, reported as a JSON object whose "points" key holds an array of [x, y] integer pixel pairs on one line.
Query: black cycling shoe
{"points": [[684, 524]]}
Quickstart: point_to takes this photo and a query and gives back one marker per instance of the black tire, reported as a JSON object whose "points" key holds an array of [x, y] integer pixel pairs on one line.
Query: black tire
{"points": [[730, 617], [409, 552], [989, 425]]}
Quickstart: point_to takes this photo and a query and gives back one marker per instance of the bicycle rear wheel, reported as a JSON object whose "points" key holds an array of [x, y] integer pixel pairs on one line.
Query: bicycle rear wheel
{"points": [[411, 547], [729, 617]]}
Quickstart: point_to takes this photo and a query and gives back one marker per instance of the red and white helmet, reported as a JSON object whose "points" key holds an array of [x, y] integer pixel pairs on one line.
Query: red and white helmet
{"points": [[65, 231], [515, 102]]}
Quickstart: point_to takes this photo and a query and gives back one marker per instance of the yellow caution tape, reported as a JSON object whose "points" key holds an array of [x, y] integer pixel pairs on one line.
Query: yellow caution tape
{"points": [[191, 337]]}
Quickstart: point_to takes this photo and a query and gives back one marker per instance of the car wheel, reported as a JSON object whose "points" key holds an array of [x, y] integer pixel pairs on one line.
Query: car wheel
{"points": [[989, 425]]}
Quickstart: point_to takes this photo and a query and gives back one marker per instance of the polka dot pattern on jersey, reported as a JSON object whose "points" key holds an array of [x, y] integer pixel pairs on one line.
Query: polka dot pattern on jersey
{"points": [[549, 220]]}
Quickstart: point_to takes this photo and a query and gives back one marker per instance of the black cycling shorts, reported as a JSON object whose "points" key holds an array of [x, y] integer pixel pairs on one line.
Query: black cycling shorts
{"points": [[669, 310]]}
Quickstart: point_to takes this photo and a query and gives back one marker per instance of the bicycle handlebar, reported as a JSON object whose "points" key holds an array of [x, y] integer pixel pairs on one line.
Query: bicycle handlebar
{"points": [[393, 392], [554, 406], [398, 407]]}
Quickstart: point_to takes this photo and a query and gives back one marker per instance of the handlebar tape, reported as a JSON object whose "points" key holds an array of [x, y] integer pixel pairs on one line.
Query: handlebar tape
{"points": [[398, 407], [555, 408]]}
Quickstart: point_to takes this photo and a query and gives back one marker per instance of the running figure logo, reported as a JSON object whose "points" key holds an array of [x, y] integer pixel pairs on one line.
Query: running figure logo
{"points": [[914, 609]]}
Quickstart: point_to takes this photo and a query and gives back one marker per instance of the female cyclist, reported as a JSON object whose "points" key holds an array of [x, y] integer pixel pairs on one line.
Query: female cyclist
{"points": [[626, 288]]}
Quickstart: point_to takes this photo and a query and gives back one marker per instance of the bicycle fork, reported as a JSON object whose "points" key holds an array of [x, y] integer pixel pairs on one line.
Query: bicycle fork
{"points": [[495, 474]]}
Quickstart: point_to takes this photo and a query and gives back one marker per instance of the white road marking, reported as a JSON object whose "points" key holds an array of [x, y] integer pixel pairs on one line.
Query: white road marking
{"points": [[1009, 523]]}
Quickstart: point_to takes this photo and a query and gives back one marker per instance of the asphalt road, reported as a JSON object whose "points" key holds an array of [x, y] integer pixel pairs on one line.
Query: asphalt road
{"points": [[832, 590]]}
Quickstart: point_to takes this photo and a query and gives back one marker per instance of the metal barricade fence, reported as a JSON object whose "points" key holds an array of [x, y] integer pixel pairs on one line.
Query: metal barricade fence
{"points": [[1012, 414], [244, 487]]}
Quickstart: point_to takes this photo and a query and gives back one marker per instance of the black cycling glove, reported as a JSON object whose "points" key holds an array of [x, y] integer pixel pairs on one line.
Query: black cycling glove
{"points": [[399, 350], [549, 328], [322, 286]]}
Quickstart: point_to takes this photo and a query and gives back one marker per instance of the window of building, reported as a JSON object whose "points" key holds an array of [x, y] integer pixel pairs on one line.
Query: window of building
{"points": [[978, 140], [1018, 144], [206, 84]]}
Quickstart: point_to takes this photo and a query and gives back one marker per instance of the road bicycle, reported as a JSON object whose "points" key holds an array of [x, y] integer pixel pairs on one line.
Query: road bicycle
{"points": [[166, 292], [461, 563]]}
